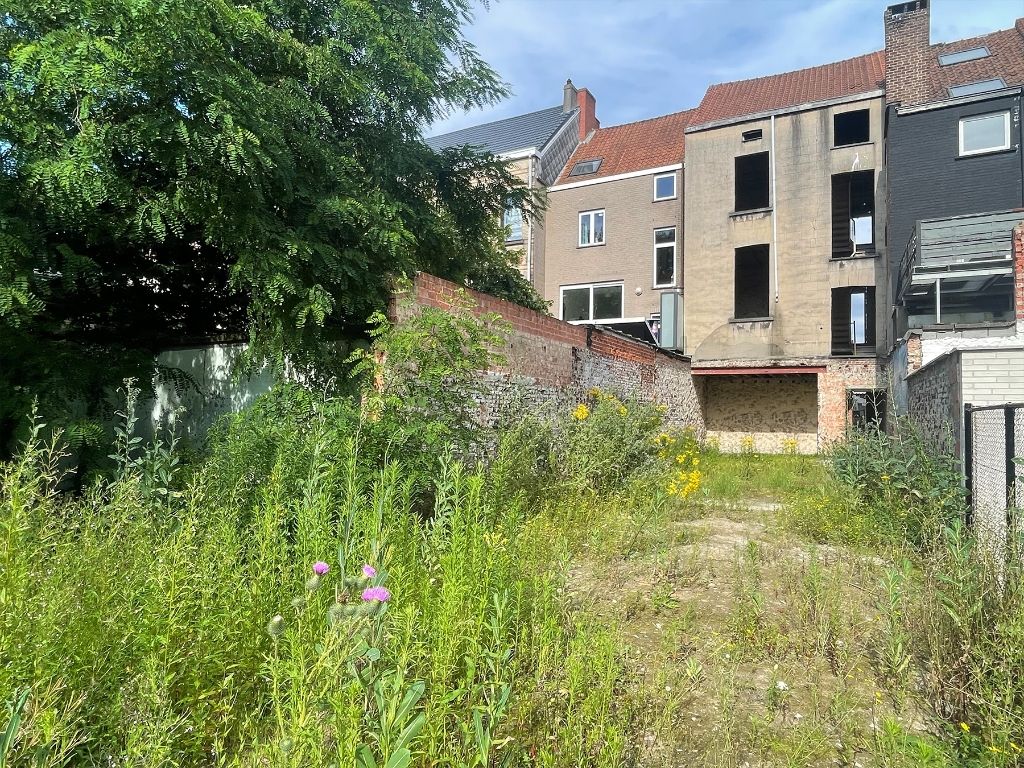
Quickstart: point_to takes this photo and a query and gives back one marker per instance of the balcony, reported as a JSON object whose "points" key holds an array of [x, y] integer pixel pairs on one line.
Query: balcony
{"points": [[958, 271]]}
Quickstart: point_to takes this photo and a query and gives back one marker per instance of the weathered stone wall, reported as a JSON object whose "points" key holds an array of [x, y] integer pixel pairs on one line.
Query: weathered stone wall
{"points": [[770, 410], [834, 384], [934, 402], [549, 363]]}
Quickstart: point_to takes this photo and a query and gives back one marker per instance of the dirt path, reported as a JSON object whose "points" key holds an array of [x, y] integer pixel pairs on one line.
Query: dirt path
{"points": [[751, 648]]}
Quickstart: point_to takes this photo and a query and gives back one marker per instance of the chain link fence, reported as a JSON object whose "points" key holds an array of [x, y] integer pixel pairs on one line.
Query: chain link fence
{"points": [[993, 450]]}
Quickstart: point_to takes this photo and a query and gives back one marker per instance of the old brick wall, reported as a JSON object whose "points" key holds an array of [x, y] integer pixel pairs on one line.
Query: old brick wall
{"points": [[549, 363], [934, 402], [834, 384]]}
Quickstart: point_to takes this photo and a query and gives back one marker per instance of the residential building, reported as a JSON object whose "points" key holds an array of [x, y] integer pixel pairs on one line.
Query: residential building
{"points": [[614, 227], [536, 144], [784, 254], [955, 194]]}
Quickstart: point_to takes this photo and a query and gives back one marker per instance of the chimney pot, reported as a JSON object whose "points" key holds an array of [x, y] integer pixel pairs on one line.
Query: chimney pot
{"points": [[568, 96]]}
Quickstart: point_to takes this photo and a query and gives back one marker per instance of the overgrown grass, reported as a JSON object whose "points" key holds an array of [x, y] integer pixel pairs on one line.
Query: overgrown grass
{"points": [[750, 476]]}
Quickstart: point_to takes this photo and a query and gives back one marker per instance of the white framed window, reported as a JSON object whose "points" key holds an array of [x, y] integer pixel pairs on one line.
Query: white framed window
{"points": [[591, 228], [512, 220], [665, 257], [665, 186], [984, 133], [590, 303]]}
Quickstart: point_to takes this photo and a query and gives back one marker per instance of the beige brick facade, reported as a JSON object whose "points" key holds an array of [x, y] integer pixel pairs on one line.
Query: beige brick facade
{"points": [[627, 255]]}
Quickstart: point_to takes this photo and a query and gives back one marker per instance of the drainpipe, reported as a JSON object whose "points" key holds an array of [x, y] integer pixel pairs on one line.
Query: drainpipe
{"points": [[529, 237], [775, 218]]}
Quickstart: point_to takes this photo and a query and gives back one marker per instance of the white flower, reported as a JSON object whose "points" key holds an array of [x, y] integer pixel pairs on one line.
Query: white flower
{"points": [[781, 685]]}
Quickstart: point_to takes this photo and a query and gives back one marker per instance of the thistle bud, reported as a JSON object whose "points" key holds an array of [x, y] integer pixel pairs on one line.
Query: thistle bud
{"points": [[276, 626], [313, 582]]}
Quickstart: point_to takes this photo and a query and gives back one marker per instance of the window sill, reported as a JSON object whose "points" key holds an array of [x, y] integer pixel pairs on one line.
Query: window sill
{"points": [[767, 319], [590, 245], [856, 144], [517, 241], [865, 355], [987, 153], [665, 199], [872, 254], [666, 287], [751, 212]]}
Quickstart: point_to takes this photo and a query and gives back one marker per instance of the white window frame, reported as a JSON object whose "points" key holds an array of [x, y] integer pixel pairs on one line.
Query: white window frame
{"points": [[579, 228], [1006, 133], [675, 253], [590, 310], [675, 189]]}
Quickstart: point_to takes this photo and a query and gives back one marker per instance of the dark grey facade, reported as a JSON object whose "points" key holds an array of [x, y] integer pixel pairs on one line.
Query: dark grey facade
{"points": [[928, 179]]}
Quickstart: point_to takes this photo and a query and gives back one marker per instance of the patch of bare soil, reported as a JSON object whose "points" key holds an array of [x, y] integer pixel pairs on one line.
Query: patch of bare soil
{"points": [[751, 648]]}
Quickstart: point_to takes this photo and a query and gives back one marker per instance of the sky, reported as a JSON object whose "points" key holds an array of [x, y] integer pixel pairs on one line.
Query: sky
{"points": [[645, 58]]}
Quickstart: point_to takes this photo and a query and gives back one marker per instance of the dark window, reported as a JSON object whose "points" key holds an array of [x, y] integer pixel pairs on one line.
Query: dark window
{"points": [[752, 181], [968, 89], [752, 135], [867, 408], [584, 167], [751, 282], [853, 213], [851, 128], [853, 320], [970, 54]]}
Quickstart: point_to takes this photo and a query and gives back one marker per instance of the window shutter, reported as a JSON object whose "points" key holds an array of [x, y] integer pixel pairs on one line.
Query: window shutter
{"points": [[869, 317], [841, 343], [842, 244]]}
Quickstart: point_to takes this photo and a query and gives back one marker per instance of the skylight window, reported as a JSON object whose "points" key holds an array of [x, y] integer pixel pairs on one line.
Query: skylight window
{"points": [[979, 87], [584, 167], [970, 54]]}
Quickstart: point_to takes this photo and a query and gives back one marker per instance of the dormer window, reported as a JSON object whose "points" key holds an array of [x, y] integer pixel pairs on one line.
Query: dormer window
{"points": [[585, 167], [970, 54], [968, 89]]}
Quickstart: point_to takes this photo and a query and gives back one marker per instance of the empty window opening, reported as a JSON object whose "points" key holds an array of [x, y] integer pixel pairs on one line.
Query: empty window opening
{"points": [[513, 223], [592, 302], [866, 408], [753, 135], [981, 86], [751, 282], [665, 186], [665, 257], [853, 320], [970, 54], [963, 300], [591, 228], [984, 133], [752, 181], [853, 213], [584, 167], [851, 128]]}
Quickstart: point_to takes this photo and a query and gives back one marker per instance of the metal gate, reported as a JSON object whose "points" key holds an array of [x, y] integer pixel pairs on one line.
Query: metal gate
{"points": [[993, 439]]}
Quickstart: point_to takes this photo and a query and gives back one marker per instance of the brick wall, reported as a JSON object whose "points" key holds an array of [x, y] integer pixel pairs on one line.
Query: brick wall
{"points": [[1018, 271], [834, 384], [934, 402], [550, 362]]}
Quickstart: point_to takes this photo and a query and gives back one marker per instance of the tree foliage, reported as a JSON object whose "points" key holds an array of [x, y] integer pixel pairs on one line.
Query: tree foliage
{"points": [[172, 169]]}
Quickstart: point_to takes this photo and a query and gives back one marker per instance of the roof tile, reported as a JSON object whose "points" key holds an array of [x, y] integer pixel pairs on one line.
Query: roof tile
{"points": [[631, 147], [534, 129], [1006, 61], [727, 101]]}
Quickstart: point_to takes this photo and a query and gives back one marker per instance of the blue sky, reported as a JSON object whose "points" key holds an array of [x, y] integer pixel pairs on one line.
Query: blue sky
{"points": [[643, 58]]}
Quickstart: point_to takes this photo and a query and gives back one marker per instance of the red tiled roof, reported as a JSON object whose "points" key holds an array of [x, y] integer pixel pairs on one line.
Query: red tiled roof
{"points": [[766, 94], [631, 147], [1006, 60]]}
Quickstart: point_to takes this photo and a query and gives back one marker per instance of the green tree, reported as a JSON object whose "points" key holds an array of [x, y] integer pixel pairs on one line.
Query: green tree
{"points": [[172, 169]]}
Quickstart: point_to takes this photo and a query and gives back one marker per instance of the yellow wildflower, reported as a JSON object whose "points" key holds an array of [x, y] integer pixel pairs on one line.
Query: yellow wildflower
{"points": [[581, 412], [965, 727]]}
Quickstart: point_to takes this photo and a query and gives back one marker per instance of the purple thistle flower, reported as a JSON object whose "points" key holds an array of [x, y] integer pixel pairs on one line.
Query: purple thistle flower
{"points": [[320, 567], [369, 571], [377, 594]]}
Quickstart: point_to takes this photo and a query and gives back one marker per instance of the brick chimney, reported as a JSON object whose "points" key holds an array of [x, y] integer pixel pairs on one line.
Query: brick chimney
{"points": [[588, 109], [907, 52], [1018, 271], [568, 97]]}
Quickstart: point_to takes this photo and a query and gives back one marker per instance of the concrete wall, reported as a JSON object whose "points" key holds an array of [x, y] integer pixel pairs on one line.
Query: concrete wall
{"points": [[549, 362], [627, 255], [770, 410], [209, 389], [805, 162]]}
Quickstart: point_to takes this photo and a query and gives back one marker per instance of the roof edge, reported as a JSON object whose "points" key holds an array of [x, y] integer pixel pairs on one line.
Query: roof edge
{"points": [[804, 107]]}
